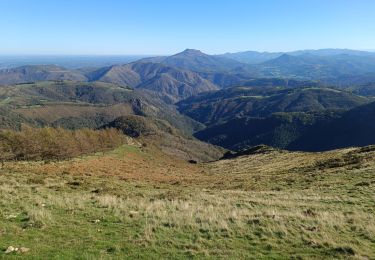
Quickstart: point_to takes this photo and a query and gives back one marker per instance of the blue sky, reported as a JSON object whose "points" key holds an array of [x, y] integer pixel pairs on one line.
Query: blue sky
{"points": [[169, 26]]}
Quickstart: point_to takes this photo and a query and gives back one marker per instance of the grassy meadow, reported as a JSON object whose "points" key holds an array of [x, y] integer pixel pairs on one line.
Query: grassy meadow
{"points": [[138, 203]]}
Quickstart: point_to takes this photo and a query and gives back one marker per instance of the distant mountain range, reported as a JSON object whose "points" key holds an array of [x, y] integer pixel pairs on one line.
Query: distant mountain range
{"points": [[171, 82], [302, 100], [328, 66], [196, 60], [38, 73], [191, 71], [254, 57], [313, 67], [67, 61]]}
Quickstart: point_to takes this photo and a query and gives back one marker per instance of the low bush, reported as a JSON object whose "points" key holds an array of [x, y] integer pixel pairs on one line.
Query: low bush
{"points": [[56, 143]]}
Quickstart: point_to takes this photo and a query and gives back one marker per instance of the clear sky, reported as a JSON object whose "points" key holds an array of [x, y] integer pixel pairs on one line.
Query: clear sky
{"points": [[169, 26]]}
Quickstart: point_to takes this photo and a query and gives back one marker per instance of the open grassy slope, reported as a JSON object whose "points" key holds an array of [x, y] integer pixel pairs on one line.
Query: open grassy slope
{"points": [[136, 202]]}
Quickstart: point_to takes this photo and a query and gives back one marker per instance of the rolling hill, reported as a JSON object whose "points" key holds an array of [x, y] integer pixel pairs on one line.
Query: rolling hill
{"points": [[191, 71], [159, 192], [241, 117], [304, 131], [160, 133], [34, 73], [354, 128], [315, 67], [221, 71], [219, 106], [255, 57], [136, 202], [292, 83], [83, 104], [173, 83], [335, 67], [277, 130], [252, 57]]}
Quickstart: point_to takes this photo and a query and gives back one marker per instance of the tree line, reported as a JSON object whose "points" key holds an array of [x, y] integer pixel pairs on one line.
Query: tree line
{"points": [[56, 143]]}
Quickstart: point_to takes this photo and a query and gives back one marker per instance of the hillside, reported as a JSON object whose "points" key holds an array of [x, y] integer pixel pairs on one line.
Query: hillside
{"points": [[252, 57], [255, 57], [221, 71], [310, 66], [354, 128], [217, 107], [191, 71], [254, 79], [173, 83], [165, 194], [32, 73], [78, 104], [309, 131], [187, 130], [198, 61], [241, 117], [168, 139], [342, 67], [365, 89], [277, 130], [136, 202]]}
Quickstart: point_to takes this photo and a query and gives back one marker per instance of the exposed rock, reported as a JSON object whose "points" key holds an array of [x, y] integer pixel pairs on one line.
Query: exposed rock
{"points": [[24, 249], [11, 249]]}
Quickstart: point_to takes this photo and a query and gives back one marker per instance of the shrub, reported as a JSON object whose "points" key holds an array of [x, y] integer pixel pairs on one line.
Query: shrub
{"points": [[56, 143]]}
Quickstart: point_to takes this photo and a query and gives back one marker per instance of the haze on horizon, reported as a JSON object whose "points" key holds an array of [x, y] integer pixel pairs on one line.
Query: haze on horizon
{"points": [[115, 27]]}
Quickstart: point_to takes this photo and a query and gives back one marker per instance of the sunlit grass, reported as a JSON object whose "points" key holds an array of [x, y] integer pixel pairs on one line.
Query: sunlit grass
{"points": [[276, 205]]}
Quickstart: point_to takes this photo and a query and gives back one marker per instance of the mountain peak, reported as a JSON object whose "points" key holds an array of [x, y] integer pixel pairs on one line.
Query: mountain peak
{"points": [[196, 60], [191, 52], [285, 56]]}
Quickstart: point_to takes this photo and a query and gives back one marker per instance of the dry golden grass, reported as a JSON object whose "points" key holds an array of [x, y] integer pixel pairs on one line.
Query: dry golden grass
{"points": [[53, 112], [140, 203], [139, 164]]}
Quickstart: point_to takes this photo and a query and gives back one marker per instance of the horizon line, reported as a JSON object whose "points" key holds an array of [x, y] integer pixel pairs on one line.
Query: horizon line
{"points": [[155, 55]]}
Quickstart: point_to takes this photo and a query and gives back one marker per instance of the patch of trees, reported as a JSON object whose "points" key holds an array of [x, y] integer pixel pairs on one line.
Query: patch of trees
{"points": [[56, 143], [278, 130]]}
